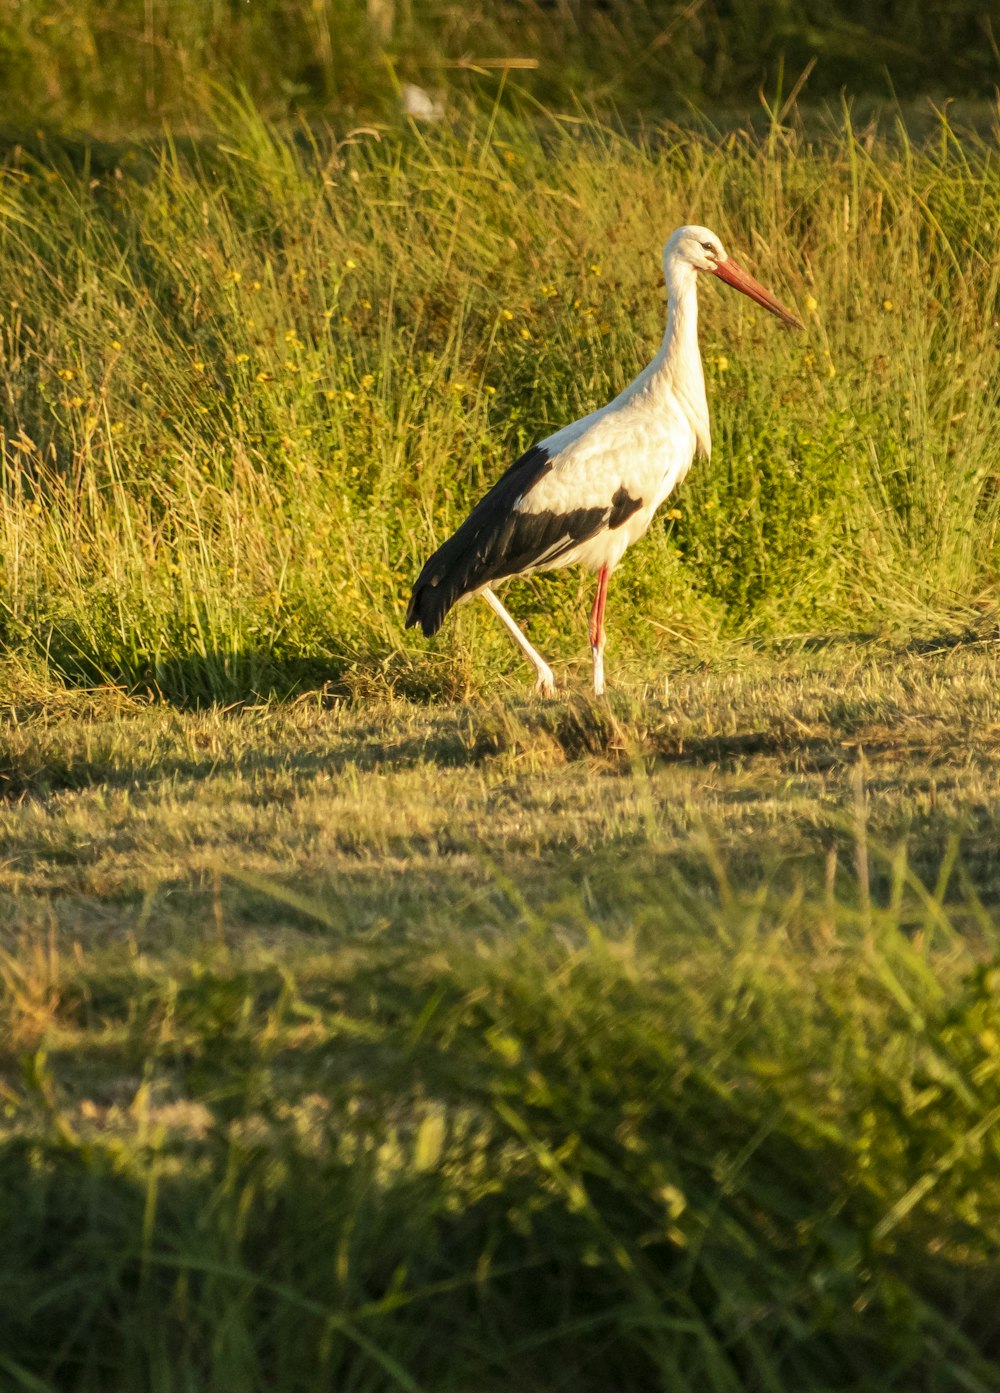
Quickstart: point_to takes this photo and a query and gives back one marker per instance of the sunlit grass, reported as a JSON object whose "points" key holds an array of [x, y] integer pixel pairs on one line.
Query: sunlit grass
{"points": [[248, 389]]}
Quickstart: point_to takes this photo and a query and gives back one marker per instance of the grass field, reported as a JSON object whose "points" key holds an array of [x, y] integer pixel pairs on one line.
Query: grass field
{"points": [[367, 1024], [647, 1044]]}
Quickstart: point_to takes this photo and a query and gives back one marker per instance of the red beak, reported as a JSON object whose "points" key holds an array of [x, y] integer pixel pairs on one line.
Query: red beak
{"points": [[734, 275]]}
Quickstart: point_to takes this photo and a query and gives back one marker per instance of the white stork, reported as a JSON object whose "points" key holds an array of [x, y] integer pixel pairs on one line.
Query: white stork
{"points": [[585, 493]]}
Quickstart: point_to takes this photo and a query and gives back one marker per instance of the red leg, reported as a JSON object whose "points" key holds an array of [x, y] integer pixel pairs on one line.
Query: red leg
{"points": [[597, 611]]}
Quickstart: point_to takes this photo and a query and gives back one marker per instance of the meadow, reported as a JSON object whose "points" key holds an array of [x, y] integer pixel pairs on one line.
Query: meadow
{"points": [[369, 1024], [249, 383]]}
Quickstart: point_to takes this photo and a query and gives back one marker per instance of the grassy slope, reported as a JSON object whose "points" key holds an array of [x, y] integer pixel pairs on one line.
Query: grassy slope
{"points": [[253, 385], [394, 1047]]}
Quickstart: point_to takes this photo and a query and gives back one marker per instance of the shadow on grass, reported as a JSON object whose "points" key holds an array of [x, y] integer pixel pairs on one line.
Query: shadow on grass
{"points": [[615, 731]]}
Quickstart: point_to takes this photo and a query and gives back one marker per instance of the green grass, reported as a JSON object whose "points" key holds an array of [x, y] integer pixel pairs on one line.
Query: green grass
{"points": [[651, 1044], [407, 1032], [119, 65], [250, 386]]}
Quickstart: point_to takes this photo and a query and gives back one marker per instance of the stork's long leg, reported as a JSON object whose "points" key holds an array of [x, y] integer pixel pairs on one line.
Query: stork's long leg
{"points": [[597, 630], [545, 682]]}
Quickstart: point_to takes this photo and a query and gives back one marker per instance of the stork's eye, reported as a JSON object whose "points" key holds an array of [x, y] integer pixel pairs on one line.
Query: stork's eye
{"points": [[707, 246]]}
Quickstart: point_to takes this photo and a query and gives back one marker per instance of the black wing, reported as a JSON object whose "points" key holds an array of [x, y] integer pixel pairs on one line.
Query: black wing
{"points": [[496, 541]]}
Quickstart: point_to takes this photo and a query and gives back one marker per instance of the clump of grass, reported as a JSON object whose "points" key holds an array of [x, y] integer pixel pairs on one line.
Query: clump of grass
{"points": [[741, 1139], [247, 390]]}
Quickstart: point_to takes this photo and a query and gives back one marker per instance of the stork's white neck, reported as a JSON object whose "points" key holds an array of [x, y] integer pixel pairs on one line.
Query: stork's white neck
{"points": [[680, 341], [676, 370]]}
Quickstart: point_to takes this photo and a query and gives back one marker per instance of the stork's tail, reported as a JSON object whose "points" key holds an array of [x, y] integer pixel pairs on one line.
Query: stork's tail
{"points": [[494, 541], [434, 593]]}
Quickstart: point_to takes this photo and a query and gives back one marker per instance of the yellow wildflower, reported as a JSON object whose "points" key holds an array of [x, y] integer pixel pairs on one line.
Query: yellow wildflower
{"points": [[812, 304], [504, 314], [242, 357], [887, 305], [674, 513], [67, 374]]}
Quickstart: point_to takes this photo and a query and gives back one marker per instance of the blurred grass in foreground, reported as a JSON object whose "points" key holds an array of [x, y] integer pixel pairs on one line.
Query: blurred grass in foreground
{"points": [[247, 387], [748, 1140]]}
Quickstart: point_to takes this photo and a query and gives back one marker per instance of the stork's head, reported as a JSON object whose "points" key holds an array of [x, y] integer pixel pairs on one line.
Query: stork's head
{"points": [[695, 246], [699, 248]]}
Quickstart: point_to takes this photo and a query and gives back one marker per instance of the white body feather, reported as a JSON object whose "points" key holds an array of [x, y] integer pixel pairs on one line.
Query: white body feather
{"points": [[644, 441], [588, 491]]}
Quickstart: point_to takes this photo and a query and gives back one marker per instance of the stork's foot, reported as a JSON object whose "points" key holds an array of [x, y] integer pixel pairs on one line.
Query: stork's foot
{"points": [[598, 657], [546, 684], [597, 630]]}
